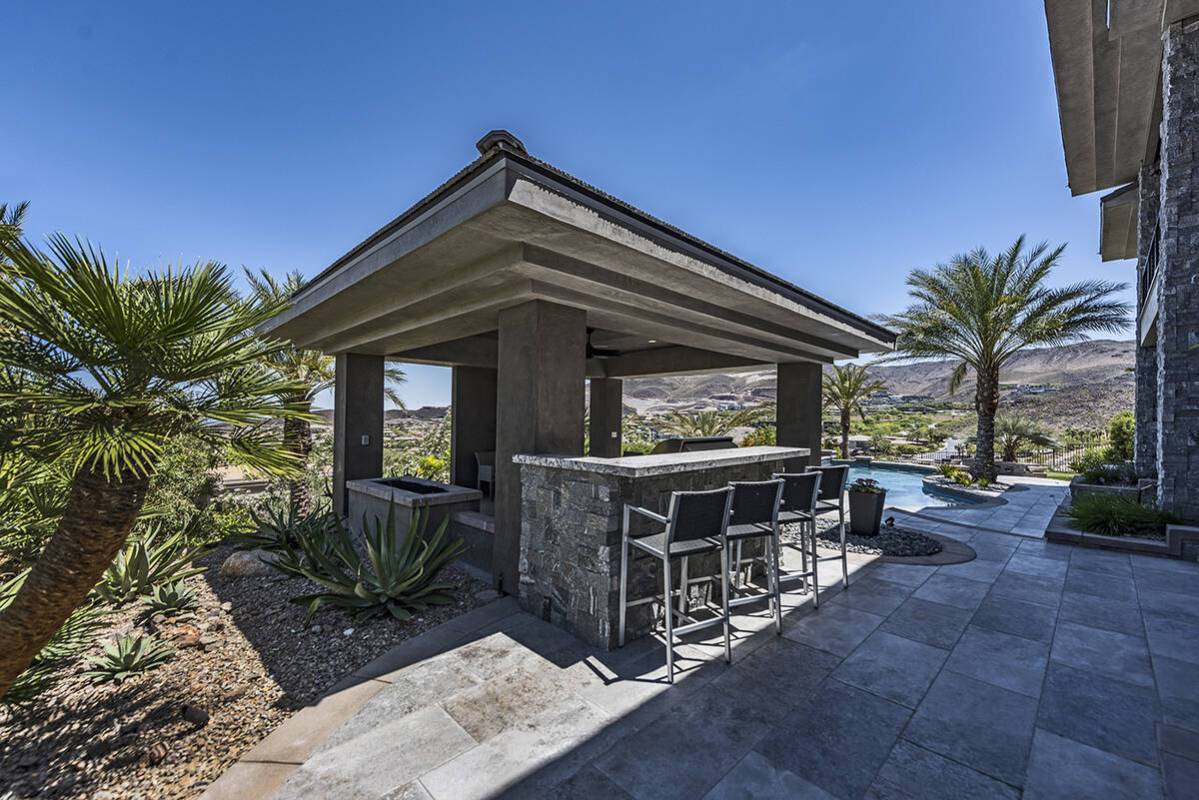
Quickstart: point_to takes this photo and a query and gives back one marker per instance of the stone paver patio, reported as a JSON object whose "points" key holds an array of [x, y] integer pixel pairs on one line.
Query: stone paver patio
{"points": [[1036, 670], [1025, 510]]}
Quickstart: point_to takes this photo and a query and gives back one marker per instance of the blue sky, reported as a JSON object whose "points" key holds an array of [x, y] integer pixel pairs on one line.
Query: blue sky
{"points": [[838, 145]]}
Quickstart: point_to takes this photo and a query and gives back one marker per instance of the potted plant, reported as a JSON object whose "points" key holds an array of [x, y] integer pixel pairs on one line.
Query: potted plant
{"points": [[866, 500]]}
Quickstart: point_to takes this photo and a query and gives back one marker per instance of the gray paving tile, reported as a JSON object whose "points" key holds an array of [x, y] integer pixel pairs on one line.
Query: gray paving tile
{"points": [[846, 735], [1062, 768], [755, 778], [913, 773], [976, 724], [928, 622], [1030, 588], [1036, 565], [1109, 613], [1178, 691], [1000, 659], [1009, 615], [587, 784], [688, 750], [1179, 741], [893, 667], [1160, 564], [1153, 578], [370, 765], [1101, 584], [1108, 562], [1043, 549], [874, 595], [1099, 711], [502, 702], [1170, 637], [1172, 605], [835, 629], [1118, 655], [907, 574], [976, 570], [1182, 777], [788, 671], [952, 591]]}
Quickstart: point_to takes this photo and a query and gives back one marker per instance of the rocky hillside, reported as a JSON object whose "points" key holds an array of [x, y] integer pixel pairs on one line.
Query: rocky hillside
{"points": [[1076, 385]]}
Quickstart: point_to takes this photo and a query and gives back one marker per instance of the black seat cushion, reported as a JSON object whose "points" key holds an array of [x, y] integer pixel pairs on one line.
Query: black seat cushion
{"points": [[790, 517], [749, 530], [656, 544]]}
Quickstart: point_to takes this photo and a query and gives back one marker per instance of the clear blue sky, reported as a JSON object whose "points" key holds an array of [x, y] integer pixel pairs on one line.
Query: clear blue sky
{"points": [[835, 147]]}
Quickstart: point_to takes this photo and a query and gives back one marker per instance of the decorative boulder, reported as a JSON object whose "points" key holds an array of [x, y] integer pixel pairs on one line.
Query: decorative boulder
{"points": [[246, 563]]}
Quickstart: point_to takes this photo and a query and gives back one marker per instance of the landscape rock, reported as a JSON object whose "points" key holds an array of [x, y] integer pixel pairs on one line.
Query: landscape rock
{"points": [[195, 715], [247, 563]]}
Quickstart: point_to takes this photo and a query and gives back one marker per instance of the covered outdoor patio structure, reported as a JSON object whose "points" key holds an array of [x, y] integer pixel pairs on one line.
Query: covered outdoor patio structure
{"points": [[531, 284]]}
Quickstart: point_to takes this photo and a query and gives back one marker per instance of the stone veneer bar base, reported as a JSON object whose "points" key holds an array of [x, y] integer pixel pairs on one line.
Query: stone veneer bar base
{"points": [[571, 532]]}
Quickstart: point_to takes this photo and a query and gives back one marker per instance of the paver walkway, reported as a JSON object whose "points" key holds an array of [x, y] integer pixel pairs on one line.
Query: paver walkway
{"points": [[1037, 670], [1025, 510]]}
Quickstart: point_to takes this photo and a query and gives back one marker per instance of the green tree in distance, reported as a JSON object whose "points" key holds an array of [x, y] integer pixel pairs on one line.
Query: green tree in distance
{"points": [[982, 310], [844, 390]]}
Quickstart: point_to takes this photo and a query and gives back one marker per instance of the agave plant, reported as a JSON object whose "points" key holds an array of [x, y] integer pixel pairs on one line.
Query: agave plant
{"points": [[72, 638], [147, 562], [280, 530], [396, 579], [170, 597], [128, 655]]}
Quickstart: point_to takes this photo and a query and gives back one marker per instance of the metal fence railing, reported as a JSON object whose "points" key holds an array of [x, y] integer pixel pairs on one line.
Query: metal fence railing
{"points": [[1061, 456]]}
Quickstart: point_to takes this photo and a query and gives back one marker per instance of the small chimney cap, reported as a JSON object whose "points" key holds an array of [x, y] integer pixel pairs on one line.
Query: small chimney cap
{"points": [[502, 140]]}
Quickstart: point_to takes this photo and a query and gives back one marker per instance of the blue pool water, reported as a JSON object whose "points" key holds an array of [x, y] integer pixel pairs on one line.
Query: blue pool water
{"points": [[904, 488]]}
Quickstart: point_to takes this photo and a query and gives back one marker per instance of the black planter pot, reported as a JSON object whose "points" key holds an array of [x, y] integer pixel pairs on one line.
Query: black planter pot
{"points": [[866, 512]]}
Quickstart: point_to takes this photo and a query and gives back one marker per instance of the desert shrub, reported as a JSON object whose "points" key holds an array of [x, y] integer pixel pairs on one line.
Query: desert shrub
{"points": [[764, 436], [149, 559], [1118, 515], [956, 474], [128, 655], [50, 664], [1121, 432], [183, 487], [1095, 466], [427, 457], [398, 580], [880, 444], [908, 450], [281, 531], [636, 447]]}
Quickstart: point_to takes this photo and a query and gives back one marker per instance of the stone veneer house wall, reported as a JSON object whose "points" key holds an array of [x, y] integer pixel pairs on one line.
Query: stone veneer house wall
{"points": [[1127, 76]]}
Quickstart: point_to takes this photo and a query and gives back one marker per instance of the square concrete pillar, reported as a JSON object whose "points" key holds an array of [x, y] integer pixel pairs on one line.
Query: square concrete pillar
{"points": [[539, 409], [607, 401], [1178, 265], [357, 422], [472, 403], [797, 422]]}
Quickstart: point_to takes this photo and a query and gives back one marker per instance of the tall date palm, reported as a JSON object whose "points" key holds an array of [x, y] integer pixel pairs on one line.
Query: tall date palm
{"points": [[307, 373], [103, 367], [844, 389], [983, 309]]}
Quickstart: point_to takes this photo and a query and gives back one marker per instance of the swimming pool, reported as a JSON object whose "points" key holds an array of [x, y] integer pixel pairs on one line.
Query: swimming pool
{"points": [[905, 488]]}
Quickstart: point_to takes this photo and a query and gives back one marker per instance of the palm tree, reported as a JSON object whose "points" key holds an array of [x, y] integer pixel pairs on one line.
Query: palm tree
{"points": [[309, 372], [104, 368], [1016, 432], [844, 390], [982, 310], [709, 423]]}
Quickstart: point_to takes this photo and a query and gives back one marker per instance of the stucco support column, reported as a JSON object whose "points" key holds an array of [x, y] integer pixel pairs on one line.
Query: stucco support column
{"points": [[1145, 399], [1178, 262], [607, 400], [472, 403], [539, 409], [357, 422], [799, 401]]}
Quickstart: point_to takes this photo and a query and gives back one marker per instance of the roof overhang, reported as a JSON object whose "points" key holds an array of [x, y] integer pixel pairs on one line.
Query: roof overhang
{"points": [[1118, 223], [508, 229], [1107, 70]]}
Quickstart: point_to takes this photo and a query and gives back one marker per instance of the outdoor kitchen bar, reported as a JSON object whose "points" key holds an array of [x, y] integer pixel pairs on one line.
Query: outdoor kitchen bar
{"points": [[544, 294]]}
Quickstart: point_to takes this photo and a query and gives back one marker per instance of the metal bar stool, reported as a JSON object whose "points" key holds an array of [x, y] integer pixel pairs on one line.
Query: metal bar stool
{"points": [[800, 493], [832, 498], [694, 524], [755, 515]]}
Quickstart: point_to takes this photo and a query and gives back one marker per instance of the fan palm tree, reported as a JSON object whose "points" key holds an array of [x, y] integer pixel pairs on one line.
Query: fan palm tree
{"points": [[983, 309], [104, 367], [308, 372], [709, 423], [844, 389], [1016, 432]]}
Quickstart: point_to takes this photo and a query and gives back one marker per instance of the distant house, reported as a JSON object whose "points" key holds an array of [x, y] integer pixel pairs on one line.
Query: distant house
{"points": [[1128, 100]]}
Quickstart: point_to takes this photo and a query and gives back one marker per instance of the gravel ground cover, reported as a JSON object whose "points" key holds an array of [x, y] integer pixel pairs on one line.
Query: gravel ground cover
{"points": [[243, 663], [892, 541]]}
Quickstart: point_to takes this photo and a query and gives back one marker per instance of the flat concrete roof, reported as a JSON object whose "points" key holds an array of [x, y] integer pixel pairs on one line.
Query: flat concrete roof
{"points": [[509, 228], [1107, 70]]}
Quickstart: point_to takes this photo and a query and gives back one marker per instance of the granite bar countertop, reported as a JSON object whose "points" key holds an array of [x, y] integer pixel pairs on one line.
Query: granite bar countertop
{"points": [[644, 466]]}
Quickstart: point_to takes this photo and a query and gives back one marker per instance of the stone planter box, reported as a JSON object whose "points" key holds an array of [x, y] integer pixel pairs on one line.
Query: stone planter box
{"points": [[1079, 487], [409, 494], [866, 512]]}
